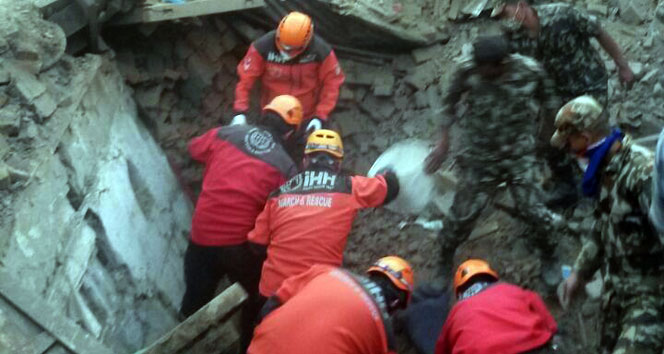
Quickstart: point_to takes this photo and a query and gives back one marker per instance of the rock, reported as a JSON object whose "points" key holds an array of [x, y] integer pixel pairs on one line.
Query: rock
{"points": [[420, 55], [637, 69], [45, 105], [658, 90], [5, 178], [10, 120], [455, 7], [421, 99], [3, 99], [4, 76], [4, 147], [27, 84], [650, 75], [594, 288], [200, 66], [422, 75], [610, 65], [229, 40], [648, 42], [383, 85], [599, 9], [444, 202], [484, 230], [659, 12], [631, 12]]}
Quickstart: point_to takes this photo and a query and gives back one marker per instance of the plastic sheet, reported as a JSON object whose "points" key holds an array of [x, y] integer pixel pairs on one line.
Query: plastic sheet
{"points": [[416, 188]]}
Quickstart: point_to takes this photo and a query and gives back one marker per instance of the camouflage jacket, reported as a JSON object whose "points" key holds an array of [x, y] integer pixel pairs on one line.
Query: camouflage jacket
{"points": [[563, 46], [623, 242], [501, 115]]}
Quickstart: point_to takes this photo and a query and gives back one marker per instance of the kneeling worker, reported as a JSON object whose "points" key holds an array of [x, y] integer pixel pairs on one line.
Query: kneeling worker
{"points": [[493, 317], [330, 310], [307, 220]]}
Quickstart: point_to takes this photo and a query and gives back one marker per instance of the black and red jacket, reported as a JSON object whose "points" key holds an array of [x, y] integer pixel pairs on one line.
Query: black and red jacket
{"points": [[243, 164], [314, 76], [308, 219]]}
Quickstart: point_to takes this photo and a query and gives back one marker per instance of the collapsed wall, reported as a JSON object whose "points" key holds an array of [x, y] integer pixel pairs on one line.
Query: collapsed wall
{"points": [[93, 221]]}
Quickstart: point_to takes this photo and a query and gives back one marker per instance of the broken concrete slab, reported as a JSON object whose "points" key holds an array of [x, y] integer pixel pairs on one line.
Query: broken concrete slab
{"points": [[422, 75], [165, 11], [10, 120], [455, 7], [383, 85], [420, 55], [598, 9], [26, 83], [45, 105], [474, 8], [350, 124], [632, 11], [5, 178]]}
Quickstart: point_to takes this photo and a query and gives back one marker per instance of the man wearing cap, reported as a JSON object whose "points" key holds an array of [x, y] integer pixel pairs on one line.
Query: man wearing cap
{"points": [[559, 36], [623, 244], [502, 95]]}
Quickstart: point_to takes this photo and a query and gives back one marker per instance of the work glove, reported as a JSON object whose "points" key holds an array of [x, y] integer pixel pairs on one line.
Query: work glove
{"points": [[314, 124], [239, 119]]}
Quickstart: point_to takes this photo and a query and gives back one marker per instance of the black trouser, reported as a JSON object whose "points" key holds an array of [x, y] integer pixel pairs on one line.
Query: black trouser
{"points": [[204, 266]]}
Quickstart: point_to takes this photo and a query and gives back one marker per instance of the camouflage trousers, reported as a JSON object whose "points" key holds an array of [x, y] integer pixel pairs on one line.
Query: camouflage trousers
{"points": [[479, 188], [633, 325]]}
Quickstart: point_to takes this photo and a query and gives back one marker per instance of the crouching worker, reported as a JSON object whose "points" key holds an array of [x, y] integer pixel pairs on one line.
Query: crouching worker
{"points": [[494, 317], [243, 164], [330, 310], [307, 220]]}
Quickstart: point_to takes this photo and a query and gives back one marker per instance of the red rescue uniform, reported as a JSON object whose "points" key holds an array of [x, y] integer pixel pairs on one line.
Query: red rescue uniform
{"points": [[324, 310], [243, 164], [314, 76], [501, 319], [307, 222]]}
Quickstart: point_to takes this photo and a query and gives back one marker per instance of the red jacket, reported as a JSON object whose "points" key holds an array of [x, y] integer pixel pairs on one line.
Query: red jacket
{"points": [[314, 77], [307, 222], [243, 164], [501, 319], [324, 311]]}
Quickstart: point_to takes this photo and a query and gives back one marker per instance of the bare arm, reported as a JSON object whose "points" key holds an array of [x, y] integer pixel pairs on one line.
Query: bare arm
{"points": [[613, 49]]}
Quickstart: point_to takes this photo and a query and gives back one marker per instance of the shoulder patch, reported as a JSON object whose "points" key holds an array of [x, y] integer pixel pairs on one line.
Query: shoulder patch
{"points": [[259, 141]]}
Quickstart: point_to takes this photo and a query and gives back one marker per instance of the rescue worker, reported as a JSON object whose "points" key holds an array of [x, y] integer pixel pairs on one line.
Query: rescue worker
{"points": [[308, 219], [623, 244], [291, 60], [243, 164], [330, 310], [502, 95], [493, 317], [558, 35]]}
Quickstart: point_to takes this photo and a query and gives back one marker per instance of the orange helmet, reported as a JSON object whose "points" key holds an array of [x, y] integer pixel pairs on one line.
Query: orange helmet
{"points": [[399, 272], [287, 107], [294, 33], [469, 269]]}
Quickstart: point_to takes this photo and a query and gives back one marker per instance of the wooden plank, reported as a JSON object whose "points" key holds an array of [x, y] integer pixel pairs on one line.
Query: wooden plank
{"points": [[57, 324], [215, 311], [165, 11]]}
